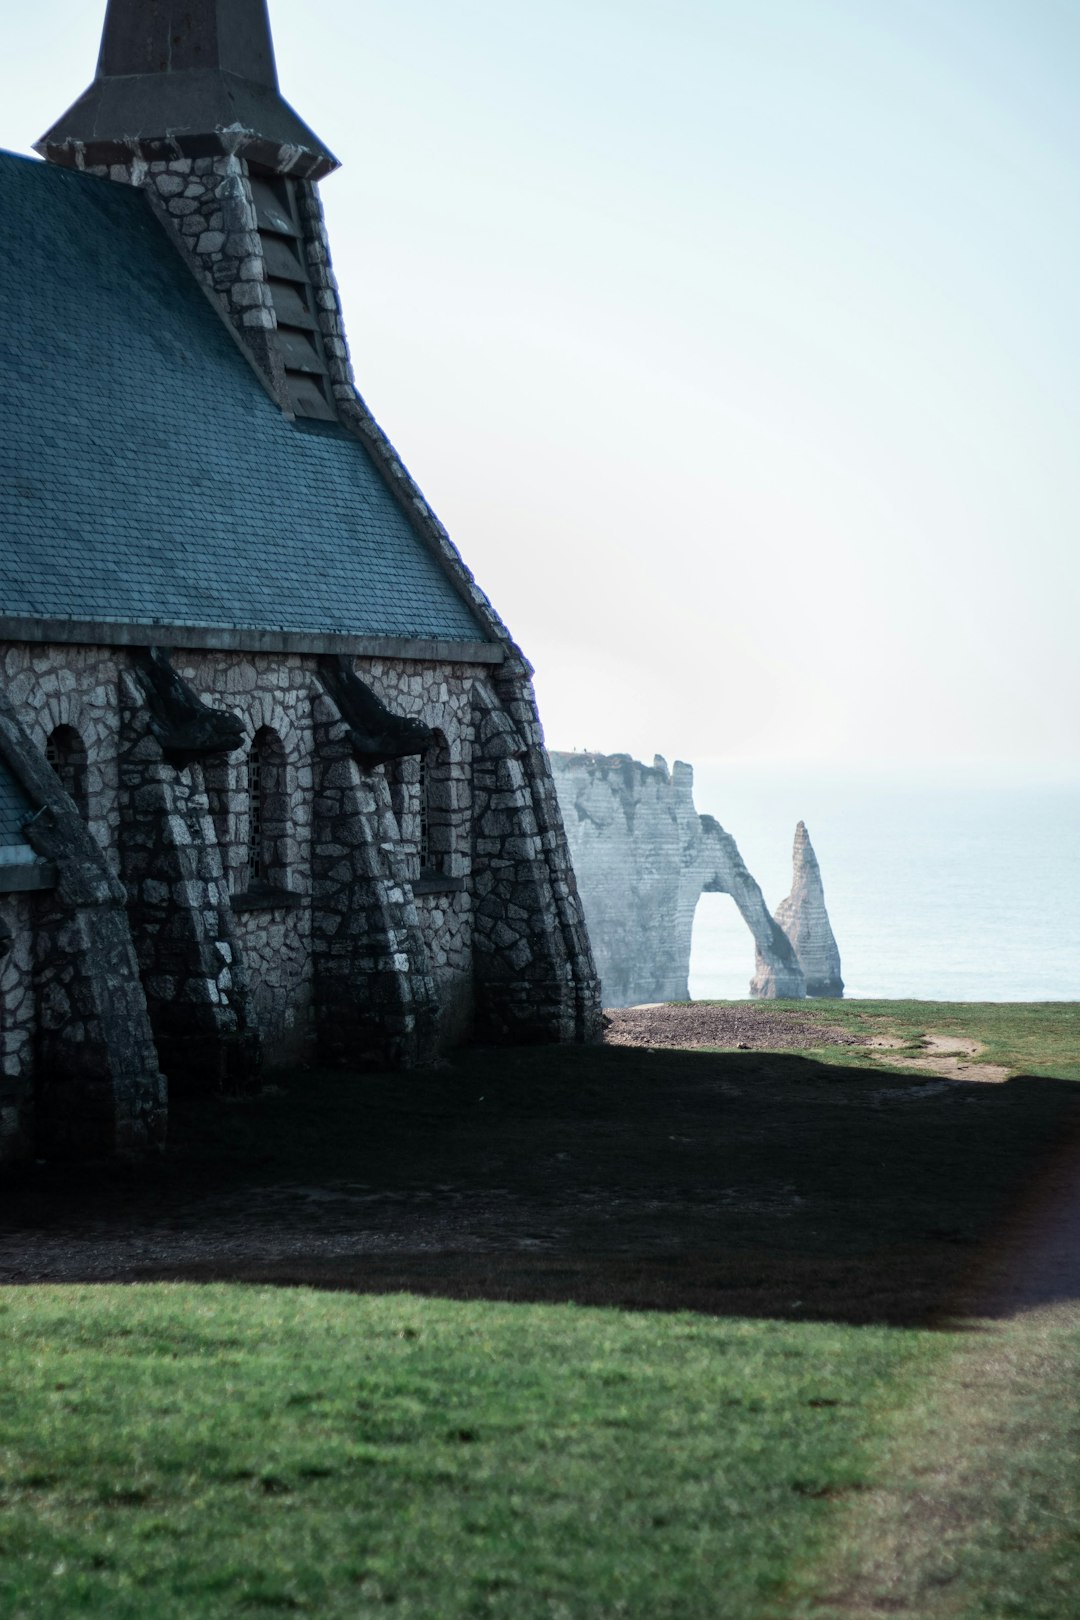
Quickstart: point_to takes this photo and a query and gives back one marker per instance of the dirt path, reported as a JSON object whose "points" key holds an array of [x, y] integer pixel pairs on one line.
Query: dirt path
{"points": [[968, 1478]]}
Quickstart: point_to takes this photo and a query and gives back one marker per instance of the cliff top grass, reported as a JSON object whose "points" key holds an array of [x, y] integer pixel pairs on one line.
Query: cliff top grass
{"points": [[1035, 1038], [588, 1333]]}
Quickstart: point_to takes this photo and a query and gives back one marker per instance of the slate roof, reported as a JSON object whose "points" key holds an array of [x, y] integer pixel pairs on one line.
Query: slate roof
{"points": [[14, 805], [146, 477]]}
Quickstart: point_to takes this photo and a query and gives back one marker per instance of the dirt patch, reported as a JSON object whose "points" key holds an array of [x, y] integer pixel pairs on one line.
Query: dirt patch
{"points": [[946, 1056], [756, 1026], [747, 1027]]}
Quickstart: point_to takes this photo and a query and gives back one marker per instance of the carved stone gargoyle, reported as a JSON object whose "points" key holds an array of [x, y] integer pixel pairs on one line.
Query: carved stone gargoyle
{"points": [[375, 732], [185, 726]]}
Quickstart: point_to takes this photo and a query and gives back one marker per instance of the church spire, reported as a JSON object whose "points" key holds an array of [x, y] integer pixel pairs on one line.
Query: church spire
{"points": [[184, 79]]}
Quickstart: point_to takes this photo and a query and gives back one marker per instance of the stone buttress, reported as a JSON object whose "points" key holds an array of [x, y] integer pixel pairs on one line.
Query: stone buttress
{"points": [[94, 1087], [533, 967], [178, 898], [375, 1003]]}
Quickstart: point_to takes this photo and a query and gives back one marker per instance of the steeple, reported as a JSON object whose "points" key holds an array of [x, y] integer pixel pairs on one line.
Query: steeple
{"points": [[186, 79]]}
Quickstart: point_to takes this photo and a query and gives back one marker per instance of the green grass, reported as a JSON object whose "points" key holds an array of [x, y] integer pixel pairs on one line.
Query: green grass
{"points": [[1025, 1037], [974, 1509], [1036, 1038], [180, 1450], [174, 1451]]}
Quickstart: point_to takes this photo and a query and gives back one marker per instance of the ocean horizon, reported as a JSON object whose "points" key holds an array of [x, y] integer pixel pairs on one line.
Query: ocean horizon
{"points": [[941, 885]]}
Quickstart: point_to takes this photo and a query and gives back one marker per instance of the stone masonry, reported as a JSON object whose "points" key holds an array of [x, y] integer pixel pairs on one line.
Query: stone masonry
{"points": [[20, 925], [354, 954], [180, 910], [521, 941], [374, 997], [80, 1075]]}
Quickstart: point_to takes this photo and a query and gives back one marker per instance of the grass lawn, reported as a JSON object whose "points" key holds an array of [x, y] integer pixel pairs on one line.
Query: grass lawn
{"points": [[452, 1428], [175, 1451], [1035, 1038]]}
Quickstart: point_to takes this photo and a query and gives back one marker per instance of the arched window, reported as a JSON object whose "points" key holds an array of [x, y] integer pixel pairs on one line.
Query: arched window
{"points": [[268, 812], [422, 798], [257, 861], [435, 829], [424, 815], [65, 753]]}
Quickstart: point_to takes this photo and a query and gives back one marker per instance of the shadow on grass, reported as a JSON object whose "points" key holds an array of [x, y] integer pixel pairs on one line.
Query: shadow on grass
{"points": [[748, 1184]]}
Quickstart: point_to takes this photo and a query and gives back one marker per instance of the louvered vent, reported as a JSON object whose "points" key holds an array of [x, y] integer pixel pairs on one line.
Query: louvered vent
{"points": [[299, 341]]}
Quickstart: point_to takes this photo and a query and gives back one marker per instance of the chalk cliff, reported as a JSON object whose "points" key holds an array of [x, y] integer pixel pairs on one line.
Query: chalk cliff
{"points": [[805, 921], [643, 857]]}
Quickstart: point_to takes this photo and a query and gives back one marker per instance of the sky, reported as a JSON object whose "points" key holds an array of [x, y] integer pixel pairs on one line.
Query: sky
{"points": [[736, 342]]}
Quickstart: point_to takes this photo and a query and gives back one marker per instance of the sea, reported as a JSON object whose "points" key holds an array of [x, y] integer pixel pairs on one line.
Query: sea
{"points": [[958, 884]]}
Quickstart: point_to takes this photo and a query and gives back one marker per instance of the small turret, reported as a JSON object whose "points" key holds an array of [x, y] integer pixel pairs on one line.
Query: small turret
{"points": [[186, 79]]}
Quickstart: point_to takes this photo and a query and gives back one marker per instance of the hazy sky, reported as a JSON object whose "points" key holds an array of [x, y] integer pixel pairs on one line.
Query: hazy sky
{"points": [[737, 342]]}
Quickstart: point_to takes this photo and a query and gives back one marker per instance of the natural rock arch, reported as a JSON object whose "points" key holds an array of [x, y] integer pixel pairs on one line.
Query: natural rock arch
{"points": [[777, 970], [644, 857]]}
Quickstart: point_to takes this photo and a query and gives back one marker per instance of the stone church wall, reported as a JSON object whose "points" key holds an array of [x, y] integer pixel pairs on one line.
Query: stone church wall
{"points": [[440, 695], [17, 1019], [81, 687], [446, 926], [77, 687], [269, 692], [72, 997], [275, 946]]}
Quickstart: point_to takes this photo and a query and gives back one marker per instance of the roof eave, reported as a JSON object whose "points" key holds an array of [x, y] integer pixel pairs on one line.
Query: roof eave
{"points": [[162, 117]]}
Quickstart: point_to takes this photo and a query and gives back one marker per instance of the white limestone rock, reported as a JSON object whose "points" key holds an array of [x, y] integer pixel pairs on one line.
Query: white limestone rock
{"points": [[643, 857], [805, 921]]}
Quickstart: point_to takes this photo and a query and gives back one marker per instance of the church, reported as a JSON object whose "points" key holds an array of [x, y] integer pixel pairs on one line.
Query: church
{"points": [[273, 786]]}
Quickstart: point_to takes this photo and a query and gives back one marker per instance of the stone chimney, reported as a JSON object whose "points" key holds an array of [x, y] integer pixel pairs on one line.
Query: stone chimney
{"points": [[186, 104]]}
